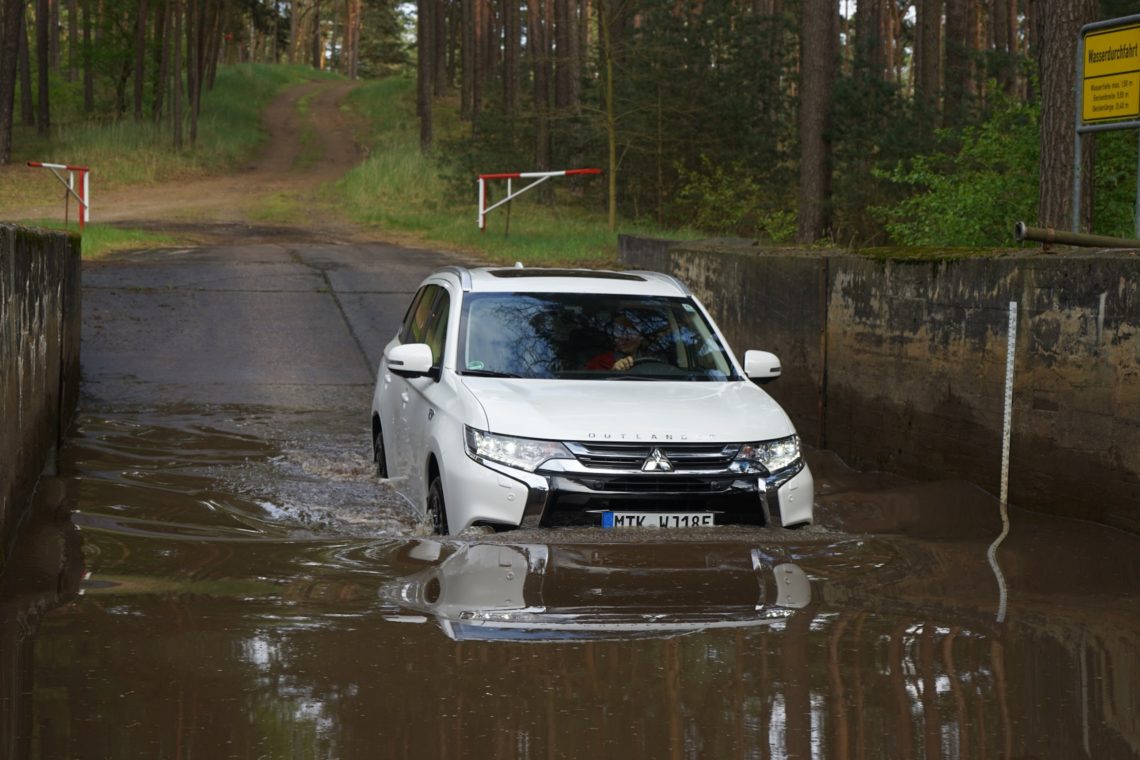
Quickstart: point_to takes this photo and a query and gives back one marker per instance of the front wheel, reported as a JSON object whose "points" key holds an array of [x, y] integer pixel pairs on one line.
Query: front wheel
{"points": [[378, 453], [437, 507]]}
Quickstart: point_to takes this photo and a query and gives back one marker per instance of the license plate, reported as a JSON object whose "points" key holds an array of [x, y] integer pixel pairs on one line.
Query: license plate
{"points": [[657, 520]]}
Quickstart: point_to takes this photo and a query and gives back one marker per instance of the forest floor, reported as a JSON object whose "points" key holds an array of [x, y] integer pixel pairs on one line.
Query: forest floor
{"points": [[312, 141]]}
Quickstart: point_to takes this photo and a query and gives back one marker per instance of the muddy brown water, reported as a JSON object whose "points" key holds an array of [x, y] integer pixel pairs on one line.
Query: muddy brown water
{"points": [[229, 580]]}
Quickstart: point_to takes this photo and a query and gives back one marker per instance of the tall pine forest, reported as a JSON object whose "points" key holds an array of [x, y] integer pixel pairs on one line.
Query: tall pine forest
{"points": [[914, 122]]}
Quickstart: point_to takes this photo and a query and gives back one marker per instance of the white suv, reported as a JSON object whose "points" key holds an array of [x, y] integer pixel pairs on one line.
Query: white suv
{"points": [[546, 397]]}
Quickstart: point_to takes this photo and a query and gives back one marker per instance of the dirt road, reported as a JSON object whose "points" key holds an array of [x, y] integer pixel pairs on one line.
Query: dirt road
{"points": [[305, 149]]}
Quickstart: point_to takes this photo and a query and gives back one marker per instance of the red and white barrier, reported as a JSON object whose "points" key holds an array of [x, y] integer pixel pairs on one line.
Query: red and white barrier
{"points": [[82, 194], [538, 177]]}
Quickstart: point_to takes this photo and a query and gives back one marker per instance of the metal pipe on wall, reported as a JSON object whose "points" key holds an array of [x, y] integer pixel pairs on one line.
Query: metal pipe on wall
{"points": [[1023, 232]]}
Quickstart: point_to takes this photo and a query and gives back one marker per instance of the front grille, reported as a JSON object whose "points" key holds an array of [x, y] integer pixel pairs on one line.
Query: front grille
{"points": [[663, 484], [630, 456]]}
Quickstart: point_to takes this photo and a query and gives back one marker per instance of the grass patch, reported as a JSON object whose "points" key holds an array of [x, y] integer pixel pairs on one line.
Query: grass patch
{"points": [[400, 190], [279, 208], [100, 239]]}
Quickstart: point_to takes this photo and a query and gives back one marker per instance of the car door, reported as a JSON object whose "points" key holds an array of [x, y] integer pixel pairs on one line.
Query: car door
{"points": [[425, 395], [395, 392]]}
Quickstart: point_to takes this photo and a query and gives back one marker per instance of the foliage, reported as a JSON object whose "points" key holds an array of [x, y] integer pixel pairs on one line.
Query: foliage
{"points": [[874, 128], [1115, 176], [971, 196], [383, 49], [728, 200], [984, 179]]}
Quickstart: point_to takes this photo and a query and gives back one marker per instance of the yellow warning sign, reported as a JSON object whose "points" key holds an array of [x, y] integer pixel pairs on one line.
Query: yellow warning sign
{"points": [[1112, 75]]}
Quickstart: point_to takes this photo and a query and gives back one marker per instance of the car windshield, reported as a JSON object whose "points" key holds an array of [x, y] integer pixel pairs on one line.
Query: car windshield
{"points": [[589, 336]]}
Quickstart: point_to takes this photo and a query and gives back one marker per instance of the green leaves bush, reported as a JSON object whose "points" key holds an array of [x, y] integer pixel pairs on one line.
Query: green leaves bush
{"points": [[985, 179], [971, 196]]}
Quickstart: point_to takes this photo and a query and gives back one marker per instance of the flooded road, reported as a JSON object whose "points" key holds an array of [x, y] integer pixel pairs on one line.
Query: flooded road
{"points": [[216, 573]]}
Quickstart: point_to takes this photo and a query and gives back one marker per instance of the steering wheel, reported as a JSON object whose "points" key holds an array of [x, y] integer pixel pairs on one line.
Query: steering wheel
{"points": [[648, 359]]}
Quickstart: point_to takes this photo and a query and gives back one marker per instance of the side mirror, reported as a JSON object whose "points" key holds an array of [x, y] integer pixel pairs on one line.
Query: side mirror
{"points": [[409, 359], [761, 366]]}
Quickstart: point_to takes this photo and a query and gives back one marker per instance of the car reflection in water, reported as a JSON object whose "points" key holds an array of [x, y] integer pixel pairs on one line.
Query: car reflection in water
{"points": [[547, 592]]}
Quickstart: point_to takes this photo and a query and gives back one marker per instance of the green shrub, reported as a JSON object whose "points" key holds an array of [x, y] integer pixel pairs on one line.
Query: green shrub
{"points": [[971, 197]]}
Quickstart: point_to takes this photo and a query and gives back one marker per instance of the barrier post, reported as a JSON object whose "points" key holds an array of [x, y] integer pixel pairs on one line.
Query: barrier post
{"points": [[538, 177], [82, 195]]}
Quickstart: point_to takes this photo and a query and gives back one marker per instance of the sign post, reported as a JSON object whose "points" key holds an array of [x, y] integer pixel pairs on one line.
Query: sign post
{"points": [[1107, 91]]}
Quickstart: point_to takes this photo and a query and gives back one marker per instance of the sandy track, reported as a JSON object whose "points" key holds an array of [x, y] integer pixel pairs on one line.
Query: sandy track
{"points": [[302, 153]]}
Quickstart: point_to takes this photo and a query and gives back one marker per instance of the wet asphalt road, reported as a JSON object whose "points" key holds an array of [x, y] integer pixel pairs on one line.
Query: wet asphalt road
{"points": [[216, 573]]}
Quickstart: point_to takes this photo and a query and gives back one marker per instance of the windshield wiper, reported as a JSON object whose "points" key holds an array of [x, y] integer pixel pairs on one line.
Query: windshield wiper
{"points": [[637, 377], [487, 373]]}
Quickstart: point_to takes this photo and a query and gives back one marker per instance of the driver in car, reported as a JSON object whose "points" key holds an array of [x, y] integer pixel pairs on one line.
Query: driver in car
{"points": [[627, 340]]}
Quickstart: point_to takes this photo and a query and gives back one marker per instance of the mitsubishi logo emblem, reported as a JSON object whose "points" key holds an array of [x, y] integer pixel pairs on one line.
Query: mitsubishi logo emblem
{"points": [[657, 462]]}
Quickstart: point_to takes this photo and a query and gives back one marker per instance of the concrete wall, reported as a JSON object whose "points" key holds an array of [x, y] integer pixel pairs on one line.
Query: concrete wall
{"points": [[900, 365], [39, 359]]}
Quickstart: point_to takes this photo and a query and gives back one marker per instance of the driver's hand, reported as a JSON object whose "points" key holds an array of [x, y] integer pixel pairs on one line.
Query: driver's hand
{"points": [[624, 363]]}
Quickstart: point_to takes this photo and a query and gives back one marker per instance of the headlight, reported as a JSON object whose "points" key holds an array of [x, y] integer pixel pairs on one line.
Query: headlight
{"points": [[770, 456], [523, 453]]}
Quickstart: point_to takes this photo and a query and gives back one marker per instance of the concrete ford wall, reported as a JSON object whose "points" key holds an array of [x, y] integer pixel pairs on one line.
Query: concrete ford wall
{"points": [[39, 359], [900, 365]]}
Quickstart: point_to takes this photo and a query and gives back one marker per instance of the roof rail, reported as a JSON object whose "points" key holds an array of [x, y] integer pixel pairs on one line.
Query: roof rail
{"points": [[649, 274], [462, 273]]}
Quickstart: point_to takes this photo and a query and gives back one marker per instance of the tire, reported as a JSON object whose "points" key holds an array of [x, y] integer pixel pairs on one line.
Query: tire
{"points": [[437, 507], [378, 456]]}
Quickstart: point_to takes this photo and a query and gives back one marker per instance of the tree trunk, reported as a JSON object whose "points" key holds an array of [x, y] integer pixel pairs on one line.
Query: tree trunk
{"points": [[72, 40], [439, 49], [607, 50], [1059, 23], [161, 58], [12, 23], [538, 39], [315, 41], [927, 55], [88, 59], [43, 121], [140, 57], [425, 25], [562, 34], [819, 47], [53, 35], [193, 83], [467, 59], [583, 36], [959, 67], [27, 101], [213, 42], [479, 51], [176, 74], [511, 47]]}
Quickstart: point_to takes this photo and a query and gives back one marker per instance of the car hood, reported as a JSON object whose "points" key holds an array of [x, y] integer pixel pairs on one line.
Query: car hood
{"points": [[600, 410]]}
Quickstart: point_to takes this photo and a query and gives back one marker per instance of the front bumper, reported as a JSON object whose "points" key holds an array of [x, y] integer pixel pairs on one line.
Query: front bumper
{"points": [[563, 494]]}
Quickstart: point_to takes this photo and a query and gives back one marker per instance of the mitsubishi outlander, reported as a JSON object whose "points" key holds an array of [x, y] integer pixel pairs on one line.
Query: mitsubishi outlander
{"points": [[562, 397]]}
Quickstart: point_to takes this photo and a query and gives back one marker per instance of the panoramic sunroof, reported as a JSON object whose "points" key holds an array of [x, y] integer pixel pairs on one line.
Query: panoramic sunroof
{"points": [[519, 272]]}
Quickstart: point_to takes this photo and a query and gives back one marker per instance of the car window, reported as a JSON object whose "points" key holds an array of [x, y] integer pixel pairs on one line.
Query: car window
{"points": [[435, 331], [584, 335], [414, 329]]}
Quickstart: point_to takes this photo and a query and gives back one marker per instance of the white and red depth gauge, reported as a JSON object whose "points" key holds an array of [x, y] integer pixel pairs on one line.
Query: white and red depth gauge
{"points": [[82, 194], [538, 177]]}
